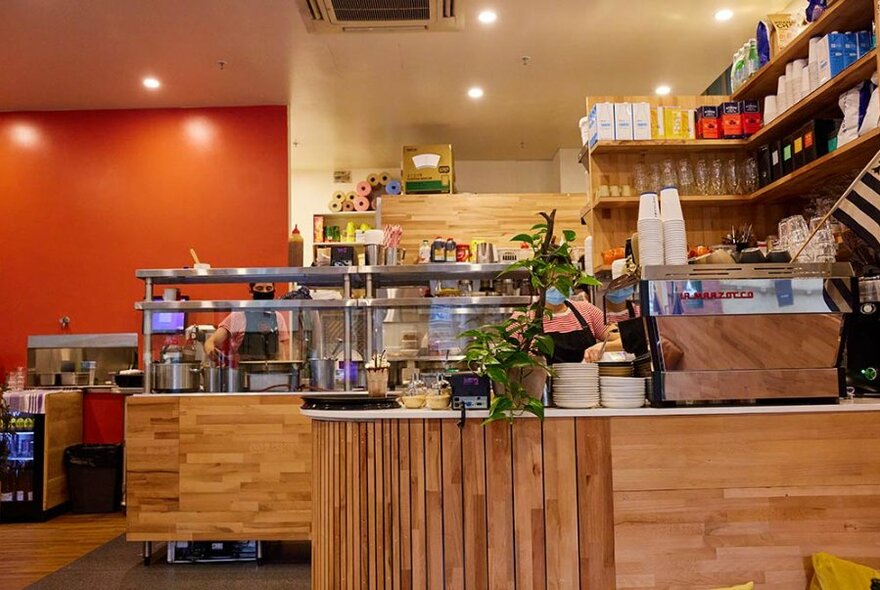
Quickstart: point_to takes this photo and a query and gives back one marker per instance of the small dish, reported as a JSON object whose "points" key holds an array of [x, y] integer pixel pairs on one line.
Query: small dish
{"points": [[411, 402], [438, 402]]}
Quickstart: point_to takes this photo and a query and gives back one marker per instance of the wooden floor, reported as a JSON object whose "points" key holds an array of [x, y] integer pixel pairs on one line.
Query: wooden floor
{"points": [[30, 551]]}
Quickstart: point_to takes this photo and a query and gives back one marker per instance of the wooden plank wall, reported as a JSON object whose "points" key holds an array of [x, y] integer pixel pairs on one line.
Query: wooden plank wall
{"points": [[709, 501], [465, 217], [469, 508], [63, 428], [218, 468]]}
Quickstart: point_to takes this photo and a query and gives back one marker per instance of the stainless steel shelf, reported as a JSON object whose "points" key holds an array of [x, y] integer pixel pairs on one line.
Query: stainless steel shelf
{"points": [[312, 275], [226, 305], [423, 302], [422, 274]]}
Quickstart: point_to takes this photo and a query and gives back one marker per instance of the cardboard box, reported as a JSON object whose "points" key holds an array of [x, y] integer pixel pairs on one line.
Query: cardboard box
{"points": [[752, 119], [764, 166], [623, 121], [428, 169], [675, 123], [776, 171], [787, 152], [731, 120], [864, 42], [642, 120], [658, 123], [797, 150], [850, 48], [708, 124], [815, 136], [690, 122], [832, 58], [318, 228], [601, 122]]}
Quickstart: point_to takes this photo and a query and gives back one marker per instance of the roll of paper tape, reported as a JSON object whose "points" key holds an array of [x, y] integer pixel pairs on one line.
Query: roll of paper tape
{"points": [[362, 203], [384, 178], [335, 206], [348, 206], [363, 188], [393, 187], [350, 196], [339, 196], [373, 179]]}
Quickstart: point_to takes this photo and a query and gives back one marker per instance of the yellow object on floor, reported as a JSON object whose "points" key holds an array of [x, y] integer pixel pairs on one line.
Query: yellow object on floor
{"points": [[746, 586], [833, 573]]}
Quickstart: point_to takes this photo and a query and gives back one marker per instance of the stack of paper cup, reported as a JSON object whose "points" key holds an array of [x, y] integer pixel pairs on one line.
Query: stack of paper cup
{"points": [[674, 235], [781, 94], [588, 255], [650, 231]]}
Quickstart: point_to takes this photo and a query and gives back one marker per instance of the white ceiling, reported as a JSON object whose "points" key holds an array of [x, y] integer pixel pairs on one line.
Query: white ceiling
{"points": [[356, 98]]}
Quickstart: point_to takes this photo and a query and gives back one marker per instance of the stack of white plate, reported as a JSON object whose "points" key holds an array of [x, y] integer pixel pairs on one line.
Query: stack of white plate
{"points": [[576, 385], [674, 235], [623, 392], [650, 228]]}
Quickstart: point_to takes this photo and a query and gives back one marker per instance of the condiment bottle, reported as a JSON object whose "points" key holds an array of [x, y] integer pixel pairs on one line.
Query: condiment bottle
{"points": [[450, 250], [424, 252], [438, 250], [295, 248]]}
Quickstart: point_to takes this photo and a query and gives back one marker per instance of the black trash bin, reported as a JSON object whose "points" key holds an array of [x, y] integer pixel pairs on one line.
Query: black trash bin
{"points": [[94, 477]]}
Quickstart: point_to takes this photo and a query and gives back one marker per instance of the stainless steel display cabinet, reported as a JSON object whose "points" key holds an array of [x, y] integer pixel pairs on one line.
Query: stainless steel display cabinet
{"points": [[383, 308]]}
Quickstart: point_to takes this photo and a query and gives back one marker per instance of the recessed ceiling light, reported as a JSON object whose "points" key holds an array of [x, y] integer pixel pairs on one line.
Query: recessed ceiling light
{"points": [[151, 83], [475, 92], [487, 17], [724, 14], [663, 90]]}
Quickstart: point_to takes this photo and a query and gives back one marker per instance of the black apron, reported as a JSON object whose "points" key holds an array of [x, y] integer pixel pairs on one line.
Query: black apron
{"points": [[260, 342], [569, 347]]}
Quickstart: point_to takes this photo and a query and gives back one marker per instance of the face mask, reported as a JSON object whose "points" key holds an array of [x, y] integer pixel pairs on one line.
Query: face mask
{"points": [[555, 296], [263, 295], [620, 295]]}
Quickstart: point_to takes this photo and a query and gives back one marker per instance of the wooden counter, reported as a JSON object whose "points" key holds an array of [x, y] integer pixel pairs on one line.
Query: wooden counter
{"points": [[217, 467], [688, 499]]}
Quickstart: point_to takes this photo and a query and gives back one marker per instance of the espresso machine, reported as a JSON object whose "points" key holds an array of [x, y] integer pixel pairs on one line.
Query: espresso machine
{"points": [[744, 333], [863, 331]]}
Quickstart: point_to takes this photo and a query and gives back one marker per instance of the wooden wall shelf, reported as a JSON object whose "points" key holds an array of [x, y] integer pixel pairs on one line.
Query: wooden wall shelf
{"points": [[666, 145], [843, 15], [842, 161], [708, 200], [821, 100]]}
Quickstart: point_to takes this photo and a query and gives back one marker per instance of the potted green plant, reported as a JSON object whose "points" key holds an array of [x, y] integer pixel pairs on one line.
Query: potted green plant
{"points": [[513, 352]]}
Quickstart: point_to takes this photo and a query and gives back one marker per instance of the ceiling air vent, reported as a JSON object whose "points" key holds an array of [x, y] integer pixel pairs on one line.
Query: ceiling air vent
{"points": [[381, 16]]}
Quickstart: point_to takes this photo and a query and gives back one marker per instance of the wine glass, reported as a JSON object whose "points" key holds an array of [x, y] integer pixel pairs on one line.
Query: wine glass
{"points": [[701, 177]]}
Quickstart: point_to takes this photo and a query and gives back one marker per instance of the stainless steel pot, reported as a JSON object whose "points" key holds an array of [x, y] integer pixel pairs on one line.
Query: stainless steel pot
{"points": [[221, 380], [323, 374], [271, 375], [176, 377]]}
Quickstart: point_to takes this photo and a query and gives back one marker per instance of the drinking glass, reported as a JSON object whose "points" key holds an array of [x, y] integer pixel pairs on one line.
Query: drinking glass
{"points": [[685, 177], [640, 178], [716, 177], [654, 177], [667, 174], [701, 177], [749, 175], [731, 178]]}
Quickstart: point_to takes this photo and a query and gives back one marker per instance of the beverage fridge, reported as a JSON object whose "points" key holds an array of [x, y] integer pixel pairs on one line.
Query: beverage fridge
{"points": [[21, 484]]}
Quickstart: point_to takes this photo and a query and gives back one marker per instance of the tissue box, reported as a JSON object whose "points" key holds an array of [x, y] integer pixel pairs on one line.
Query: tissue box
{"points": [[623, 121], [641, 118], [752, 119], [708, 125], [601, 122], [731, 120], [428, 169]]}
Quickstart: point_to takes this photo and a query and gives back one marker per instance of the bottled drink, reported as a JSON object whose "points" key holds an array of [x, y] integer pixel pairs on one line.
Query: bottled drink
{"points": [[424, 252], [450, 250], [438, 250]]}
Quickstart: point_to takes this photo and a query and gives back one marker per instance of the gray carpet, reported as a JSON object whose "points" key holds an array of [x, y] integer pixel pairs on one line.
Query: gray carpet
{"points": [[118, 564]]}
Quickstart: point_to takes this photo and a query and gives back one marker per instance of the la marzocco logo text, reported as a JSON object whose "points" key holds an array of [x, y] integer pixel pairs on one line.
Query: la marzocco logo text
{"points": [[718, 295]]}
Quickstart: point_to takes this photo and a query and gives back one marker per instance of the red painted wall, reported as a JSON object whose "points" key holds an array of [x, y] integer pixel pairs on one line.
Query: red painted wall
{"points": [[87, 197]]}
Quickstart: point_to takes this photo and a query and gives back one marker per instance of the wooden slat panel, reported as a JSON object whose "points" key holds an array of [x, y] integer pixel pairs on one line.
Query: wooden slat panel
{"points": [[453, 538], [499, 486], [393, 502], [434, 504], [372, 554], [745, 451], [405, 507], [492, 217], [476, 556], [418, 511], [561, 504], [64, 415], [528, 503], [595, 503], [385, 498]]}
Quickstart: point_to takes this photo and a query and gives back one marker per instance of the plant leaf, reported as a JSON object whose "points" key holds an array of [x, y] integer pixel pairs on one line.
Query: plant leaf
{"points": [[523, 238], [535, 406]]}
